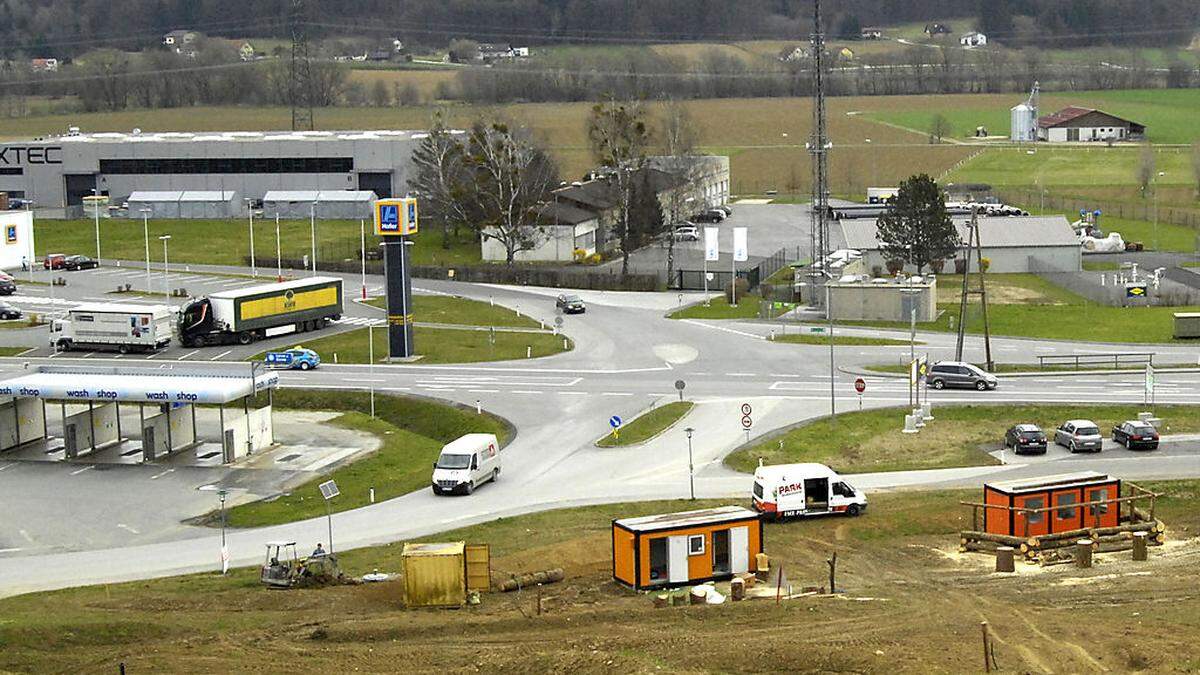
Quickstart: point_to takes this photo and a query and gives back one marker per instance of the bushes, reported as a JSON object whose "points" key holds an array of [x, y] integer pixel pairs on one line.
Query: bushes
{"points": [[743, 287]]}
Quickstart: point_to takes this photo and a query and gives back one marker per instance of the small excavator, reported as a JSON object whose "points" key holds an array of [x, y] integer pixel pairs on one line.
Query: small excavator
{"points": [[285, 569]]}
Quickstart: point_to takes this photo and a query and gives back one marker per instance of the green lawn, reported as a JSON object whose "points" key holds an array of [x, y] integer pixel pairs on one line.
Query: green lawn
{"points": [[226, 242], [438, 345], [461, 311], [841, 340], [872, 440], [13, 351], [413, 432], [719, 308], [648, 425]]}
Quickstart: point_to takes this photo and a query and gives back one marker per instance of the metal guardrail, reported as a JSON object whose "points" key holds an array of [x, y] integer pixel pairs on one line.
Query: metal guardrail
{"points": [[1117, 359]]}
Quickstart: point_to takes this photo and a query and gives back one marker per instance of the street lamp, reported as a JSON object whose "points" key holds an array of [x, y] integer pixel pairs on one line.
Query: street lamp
{"points": [[691, 477], [1155, 189], [221, 494], [912, 294], [166, 267], [250, 209], [146, 233], [312, 221], [278, 255], [96, 209], [362, 254]]}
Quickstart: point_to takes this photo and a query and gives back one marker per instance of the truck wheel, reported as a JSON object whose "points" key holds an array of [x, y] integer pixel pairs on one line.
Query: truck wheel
{"points": [[302, 327], [123, 349], [245, 338], [852, 510]]}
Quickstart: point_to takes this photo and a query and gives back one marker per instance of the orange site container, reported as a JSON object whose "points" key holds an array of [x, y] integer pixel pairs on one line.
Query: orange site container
{"points": [[1068, 493], [677, 549]]}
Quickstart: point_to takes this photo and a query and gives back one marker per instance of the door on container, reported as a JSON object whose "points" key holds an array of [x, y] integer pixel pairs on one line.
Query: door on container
{"points": [[721, 563], [1026, 524], [677, 559], [739, 549], [658, 561], [1067, 513], [479, 567], [1099, 513]]}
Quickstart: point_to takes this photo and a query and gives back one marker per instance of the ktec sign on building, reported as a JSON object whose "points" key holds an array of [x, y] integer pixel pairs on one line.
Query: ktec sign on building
{"points": [[21, 155]]}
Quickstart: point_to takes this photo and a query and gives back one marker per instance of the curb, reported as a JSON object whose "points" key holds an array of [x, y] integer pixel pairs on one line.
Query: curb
{"points": [[1032, 373], [596, 443]]}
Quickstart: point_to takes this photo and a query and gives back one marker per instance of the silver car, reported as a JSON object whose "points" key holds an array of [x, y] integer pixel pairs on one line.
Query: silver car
{"points": [[1078, 435]]}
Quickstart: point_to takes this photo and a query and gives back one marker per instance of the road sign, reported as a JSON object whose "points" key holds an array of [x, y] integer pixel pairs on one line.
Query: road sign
{"points": [[614, 422], [680, 384], [1136, 290], [746, 409], [329, 490], [747, 422], [860, 385], [396, 216], [558, 321]]}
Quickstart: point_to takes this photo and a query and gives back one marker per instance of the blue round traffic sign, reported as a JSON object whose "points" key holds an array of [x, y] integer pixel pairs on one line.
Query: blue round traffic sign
{"points": [[614, 422]]}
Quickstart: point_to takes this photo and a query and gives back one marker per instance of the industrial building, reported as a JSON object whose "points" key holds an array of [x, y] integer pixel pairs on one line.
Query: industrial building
{"points": [[1011, 243], [57, 172]]}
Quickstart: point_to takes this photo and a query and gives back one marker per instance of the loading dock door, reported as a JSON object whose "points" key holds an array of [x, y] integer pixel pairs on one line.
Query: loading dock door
{"points": [[739, 549], [677, 559]]}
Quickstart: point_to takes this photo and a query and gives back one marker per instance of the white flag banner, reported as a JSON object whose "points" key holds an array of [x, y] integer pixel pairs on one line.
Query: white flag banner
{"points": [[711, 250], [740, 254]]}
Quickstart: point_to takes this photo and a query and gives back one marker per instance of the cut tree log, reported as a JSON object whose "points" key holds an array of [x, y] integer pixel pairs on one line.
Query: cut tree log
{"points": [[532, 579], [988, 536], [1088, 532]]}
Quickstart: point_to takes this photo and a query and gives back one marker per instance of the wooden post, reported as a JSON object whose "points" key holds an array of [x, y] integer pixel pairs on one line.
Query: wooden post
{"points": [[1004, 559], [987, 661], [832, 562], [1083, 553], [539, 599], [1140, 553]]}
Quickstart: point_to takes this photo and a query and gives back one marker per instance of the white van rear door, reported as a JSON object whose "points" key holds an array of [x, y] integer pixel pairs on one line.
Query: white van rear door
{"points": [[739, 549], [677, 559]]}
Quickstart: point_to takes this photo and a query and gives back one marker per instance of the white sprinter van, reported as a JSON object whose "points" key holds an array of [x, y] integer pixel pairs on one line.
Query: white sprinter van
{"points": [[786, 490], [466, 463]]}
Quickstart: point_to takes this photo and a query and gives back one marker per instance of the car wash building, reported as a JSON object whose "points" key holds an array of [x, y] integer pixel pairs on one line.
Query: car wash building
{"points": [[57, 172], [89, 401]]}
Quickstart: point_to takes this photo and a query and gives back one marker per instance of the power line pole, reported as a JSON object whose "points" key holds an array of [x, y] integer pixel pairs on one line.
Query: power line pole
{"points": [[974, 245], [817, 147], [300, 90]]}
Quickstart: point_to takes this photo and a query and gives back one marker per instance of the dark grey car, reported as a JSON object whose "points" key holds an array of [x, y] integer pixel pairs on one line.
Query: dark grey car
{"points": [[1077, 435], [959, 374]]}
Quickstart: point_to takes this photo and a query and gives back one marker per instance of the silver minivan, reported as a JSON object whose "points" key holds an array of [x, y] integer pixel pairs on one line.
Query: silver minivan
{"points": [[1077, 435], [959, 374]]}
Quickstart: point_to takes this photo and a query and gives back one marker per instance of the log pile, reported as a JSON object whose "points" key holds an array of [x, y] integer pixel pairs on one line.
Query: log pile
{"points": [[1050, 549]]}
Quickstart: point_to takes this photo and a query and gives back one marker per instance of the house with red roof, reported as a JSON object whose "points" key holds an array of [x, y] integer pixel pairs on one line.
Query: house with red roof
{"points": [[1073, 124]]}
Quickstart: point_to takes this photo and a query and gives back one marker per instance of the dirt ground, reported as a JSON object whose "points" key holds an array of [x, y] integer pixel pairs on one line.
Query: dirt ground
{"points": [[910, 603]]}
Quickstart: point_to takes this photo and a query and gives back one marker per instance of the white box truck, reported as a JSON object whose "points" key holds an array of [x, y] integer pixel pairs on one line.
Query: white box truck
{"points": [[112, 326], [787, 490], [466, 463], [248, 314]]}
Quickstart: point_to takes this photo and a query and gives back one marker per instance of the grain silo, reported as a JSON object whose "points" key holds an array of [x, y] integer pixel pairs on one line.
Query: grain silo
{"points": [[1024, 118]]}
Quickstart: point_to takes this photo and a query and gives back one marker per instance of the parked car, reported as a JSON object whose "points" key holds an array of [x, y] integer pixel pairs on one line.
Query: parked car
{"points": [[7, 286], [959, 374], [710, 216], [5, 276], [1023, 438], [1076, 435], [687, 233], [570, 303], [1135, 434], [726, 209], [8, 312], [296, 358], [54, 261], [79, 262]]}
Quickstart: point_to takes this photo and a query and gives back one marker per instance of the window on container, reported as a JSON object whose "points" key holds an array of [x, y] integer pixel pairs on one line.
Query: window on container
{"points": [[696, 544], [1066, 506], [1097, 496], [1035, 503]]}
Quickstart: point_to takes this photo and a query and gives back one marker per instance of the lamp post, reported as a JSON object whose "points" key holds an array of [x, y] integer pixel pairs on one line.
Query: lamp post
{"points": [[1155, 189], [691, 476], [312, 222], [912, 294], [146, 234], [96, 209], [278, 255], [250, 210], [362, 254], [224, 554], [166, 266]]}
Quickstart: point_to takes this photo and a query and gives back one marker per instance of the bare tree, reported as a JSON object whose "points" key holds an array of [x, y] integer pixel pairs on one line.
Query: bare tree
{"points": [[509, 182], [1145, 169], [939, 128], [441, 182], [678, 135], [619, 138]]}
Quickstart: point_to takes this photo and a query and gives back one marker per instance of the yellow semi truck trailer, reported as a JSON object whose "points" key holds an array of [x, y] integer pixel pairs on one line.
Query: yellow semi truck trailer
{"points": [[248, 314]]}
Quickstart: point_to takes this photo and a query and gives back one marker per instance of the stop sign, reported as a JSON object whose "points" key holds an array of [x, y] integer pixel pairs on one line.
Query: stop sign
{"points": [[860, 385]]}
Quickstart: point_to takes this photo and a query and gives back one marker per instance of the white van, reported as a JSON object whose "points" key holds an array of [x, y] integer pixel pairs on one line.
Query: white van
{"points": [[786, 490], [466, 463]]}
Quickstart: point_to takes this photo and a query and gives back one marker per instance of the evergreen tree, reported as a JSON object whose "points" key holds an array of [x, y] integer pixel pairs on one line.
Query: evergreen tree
{"points": [[996, 18], [917, 228]]}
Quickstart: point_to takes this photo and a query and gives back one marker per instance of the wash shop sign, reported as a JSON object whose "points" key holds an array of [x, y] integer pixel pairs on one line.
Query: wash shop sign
{"points": [[19, 155]]}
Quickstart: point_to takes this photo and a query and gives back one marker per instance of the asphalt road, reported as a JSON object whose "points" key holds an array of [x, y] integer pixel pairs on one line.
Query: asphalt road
{"points": [[627, 358]]}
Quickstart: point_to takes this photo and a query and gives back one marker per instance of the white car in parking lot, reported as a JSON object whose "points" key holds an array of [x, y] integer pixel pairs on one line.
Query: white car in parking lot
{"points": [[686, 233]]}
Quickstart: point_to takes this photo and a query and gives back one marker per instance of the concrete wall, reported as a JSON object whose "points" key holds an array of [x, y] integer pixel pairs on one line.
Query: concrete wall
{"points": [[104, 424], [556, 244], [31, 420], [882, 302], [79, 425], [180, 420], [8, 424], [257, 426], [159, 446]]}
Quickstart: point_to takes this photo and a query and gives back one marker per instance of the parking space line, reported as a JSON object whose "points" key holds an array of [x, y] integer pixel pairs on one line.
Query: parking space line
{"points": [[6, 466], [222, 355], [188, 355], [160, 475], [86, 468]]}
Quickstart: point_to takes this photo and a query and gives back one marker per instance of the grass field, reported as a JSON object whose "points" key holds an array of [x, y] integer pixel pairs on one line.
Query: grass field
{"points": [[426, 82], [872, 440], [648, 425], [748, 307], [227, 242], [412, 431], [461, 311], [437, 345], [907, 594]]}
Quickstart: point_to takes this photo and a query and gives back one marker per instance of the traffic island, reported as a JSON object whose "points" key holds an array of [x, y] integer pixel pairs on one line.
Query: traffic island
{"points": [[439, 345], [646, 426]]}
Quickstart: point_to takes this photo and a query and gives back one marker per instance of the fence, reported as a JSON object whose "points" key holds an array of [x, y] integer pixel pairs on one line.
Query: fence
{"points": [[1144, 211], [693, 280], [1172, 292], [1117, 359]]}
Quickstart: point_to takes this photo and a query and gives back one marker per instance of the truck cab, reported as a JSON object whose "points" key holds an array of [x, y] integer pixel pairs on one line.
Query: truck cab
{"points": [[791, 490], [465, 463]]}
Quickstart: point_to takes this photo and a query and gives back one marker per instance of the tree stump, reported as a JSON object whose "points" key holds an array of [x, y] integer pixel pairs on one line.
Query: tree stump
{"points": [[1083, 553], [1004, 559], [698, 595], [1139, 546], [661, 600], [737, 589]]}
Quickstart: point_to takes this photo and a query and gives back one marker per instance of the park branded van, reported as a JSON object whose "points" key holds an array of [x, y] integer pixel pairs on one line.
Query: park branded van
{"points": [[466, 463], [786, 490]]}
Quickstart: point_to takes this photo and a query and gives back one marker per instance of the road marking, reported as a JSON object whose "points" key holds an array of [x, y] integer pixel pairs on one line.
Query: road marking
{"points": [[10, 550], [484, 391], [26, 536], [363, 380], [574, 393], [739, 374], [723, 328], [86, 468], [88, 355], [153, 355], [222, 355], [615, 393], [160, 475], [6, 466], [188, 355], [127, 528], [523, 391]]}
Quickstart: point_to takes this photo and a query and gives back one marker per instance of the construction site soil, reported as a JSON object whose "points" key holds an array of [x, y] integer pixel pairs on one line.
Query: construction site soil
{"points": [[908, 601]]}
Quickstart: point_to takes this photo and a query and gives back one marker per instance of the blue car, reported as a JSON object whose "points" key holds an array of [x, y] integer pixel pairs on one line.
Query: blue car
{"points": [[297, 358]]}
